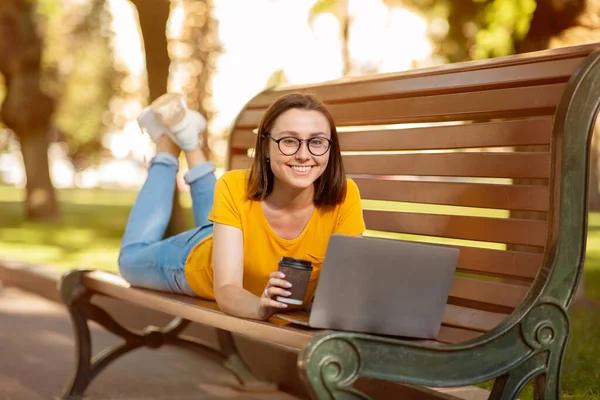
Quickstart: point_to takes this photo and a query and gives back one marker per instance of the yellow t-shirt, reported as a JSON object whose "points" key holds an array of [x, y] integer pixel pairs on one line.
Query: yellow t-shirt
{"points": [[262, 247]]}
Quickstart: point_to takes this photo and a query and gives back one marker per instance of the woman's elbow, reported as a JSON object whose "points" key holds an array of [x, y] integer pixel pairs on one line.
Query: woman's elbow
{"points": [[223, 297]]}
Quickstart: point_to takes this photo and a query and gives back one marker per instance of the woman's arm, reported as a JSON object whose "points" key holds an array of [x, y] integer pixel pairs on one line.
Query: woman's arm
{"points": [[228, 260]]}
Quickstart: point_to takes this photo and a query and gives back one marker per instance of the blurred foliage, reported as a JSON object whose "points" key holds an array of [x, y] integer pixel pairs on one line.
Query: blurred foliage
{"points": [[340, 10], [459, 29], [277, 78], [474, 29], [503, 23], [325, 6], [195, 52], [80, 73]]}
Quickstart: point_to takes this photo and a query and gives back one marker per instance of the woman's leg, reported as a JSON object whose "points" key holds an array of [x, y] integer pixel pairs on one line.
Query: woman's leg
{"points": [[161, 265], [145, 260], [151, 211], [201, 178]]}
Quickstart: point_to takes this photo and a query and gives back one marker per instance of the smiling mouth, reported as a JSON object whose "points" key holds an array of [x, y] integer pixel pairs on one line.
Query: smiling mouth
{"points": [[301, 169]]}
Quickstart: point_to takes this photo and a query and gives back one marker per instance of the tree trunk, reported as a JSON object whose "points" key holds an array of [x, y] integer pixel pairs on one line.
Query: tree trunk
{"points": [[344, 19], [550, 19], [200, 36], [153, 16], [26, 110], [41, 202]]}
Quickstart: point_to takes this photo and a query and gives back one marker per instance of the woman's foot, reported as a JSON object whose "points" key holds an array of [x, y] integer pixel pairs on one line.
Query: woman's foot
{"points": [[150, 124], [183, 125]]}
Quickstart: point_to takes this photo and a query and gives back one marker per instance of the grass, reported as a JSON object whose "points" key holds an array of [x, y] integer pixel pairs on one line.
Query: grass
{"points": [[89, 232]]}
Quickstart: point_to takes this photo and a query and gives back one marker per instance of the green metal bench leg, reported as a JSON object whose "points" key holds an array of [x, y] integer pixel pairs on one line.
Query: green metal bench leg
{"points": [[508, 387], [546, 330], [77, 299], [547, 385]]}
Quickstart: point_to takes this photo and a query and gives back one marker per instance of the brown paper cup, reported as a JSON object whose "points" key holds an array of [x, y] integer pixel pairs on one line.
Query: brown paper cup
{"points": [[297, 272]]}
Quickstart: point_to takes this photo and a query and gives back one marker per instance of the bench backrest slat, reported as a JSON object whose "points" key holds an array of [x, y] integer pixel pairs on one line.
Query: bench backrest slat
{"points": [[499, 103], [496, 230], [498, 295], [474, 165], [459, 164], [484, 195], [522, 70], [521, 132]]}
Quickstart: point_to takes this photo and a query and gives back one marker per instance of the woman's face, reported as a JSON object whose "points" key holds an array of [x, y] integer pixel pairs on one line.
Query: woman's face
{"points": [[303, 168]]}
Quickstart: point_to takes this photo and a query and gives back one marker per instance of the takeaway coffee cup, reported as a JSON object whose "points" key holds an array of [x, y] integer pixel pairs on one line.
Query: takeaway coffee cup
{"points": [[297, 272]]}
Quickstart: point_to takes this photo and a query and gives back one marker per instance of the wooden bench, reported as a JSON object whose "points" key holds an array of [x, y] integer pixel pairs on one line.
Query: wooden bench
{"points": [[488, 156]]}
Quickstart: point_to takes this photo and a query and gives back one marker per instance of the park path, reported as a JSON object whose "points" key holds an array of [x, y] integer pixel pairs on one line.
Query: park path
{"points": [[37, 354]]}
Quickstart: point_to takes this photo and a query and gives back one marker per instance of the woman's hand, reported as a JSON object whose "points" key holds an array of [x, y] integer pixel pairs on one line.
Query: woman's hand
{"points": [[277, 286]]}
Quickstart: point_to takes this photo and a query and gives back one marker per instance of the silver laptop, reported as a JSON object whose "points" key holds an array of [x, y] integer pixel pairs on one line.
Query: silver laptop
{"points": [[383, 286]]}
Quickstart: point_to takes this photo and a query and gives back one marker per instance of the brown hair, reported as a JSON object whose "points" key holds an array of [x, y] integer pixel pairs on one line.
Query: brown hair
{"points": [[330, 187]]}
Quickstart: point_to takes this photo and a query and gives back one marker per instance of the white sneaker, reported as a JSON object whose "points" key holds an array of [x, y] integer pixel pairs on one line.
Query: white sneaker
{"points": [[182, 124], [150, 124], [186, 133]]}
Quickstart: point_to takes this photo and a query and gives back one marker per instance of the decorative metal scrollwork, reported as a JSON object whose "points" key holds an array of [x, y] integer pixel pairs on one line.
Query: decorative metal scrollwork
{"points": [[332, 367], [544, 326]]}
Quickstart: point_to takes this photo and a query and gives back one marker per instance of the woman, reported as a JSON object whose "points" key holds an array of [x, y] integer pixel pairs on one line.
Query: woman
{"points": [[293, 198]]}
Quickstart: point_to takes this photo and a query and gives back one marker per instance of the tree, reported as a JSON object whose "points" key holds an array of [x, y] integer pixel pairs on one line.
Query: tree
{"points": [[27, 110], [82, 76], [339, 9], [476, 29], [199, 47], [153, 16]]}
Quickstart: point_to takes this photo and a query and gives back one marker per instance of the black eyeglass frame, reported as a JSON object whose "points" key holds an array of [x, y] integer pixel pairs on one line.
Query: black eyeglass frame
{"points": [[300, 141]]}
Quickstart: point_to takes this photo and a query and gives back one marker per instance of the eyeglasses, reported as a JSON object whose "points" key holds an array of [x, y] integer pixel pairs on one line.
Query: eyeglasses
{"points": [[289, 145]]}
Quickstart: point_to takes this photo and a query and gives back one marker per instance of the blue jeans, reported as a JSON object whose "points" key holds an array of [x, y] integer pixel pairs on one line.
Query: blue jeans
{"points": [[147, 261]]}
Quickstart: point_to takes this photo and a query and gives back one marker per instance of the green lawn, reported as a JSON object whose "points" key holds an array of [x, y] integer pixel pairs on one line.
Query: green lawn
{"points": [[89, 232]]}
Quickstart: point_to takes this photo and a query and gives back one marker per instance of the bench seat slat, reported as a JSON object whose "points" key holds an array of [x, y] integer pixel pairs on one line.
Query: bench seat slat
{"points": [[201, 311], [502, 103], [462, 164], [499, 196], [458, 325], [496, 230], [525, 132], [279, 330]]}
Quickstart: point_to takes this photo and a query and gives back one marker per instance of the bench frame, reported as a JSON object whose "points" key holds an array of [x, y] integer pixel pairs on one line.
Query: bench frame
{"points": [[77, 297], [529, 345]]}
